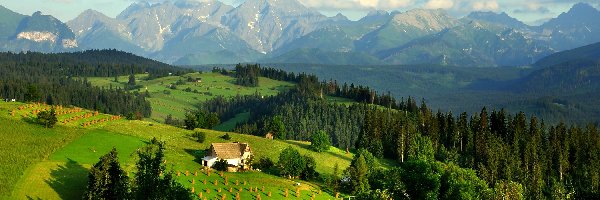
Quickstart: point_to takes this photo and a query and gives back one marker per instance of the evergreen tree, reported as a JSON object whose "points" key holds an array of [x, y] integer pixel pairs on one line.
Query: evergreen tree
{"points": [[278, 128], [107, 180], [148, 181], [358, 176], [131, 81], [320, 141]]}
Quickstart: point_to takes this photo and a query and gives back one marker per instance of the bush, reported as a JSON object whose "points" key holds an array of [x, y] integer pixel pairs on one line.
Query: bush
{"points": [[263, 163], [220, 165], [169, 120], [290, 163], [226, 136], [310, 169], [47, 118], [199, 136]]}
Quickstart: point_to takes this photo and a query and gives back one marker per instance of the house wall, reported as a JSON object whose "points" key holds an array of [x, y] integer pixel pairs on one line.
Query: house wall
{"points": [[209, 161], [234, 162]]}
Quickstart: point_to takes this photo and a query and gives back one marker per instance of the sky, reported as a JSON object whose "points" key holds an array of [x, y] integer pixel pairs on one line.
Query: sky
{"points": [[532, 12]]}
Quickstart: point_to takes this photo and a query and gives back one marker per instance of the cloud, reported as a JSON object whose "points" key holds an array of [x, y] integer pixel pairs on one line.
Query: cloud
{"points": [[435, 4], [532, 8], [63, 1], [485, 5], [357, 4]]}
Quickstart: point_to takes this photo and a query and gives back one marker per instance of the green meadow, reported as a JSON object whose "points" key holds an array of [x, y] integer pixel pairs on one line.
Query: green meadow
{"points": [[186, 95], [53, 163]]}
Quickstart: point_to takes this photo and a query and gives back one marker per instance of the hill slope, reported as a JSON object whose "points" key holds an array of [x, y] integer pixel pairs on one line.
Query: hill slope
{"points": [[56, 162], [173, 95], [585, 53], [9, 23]]}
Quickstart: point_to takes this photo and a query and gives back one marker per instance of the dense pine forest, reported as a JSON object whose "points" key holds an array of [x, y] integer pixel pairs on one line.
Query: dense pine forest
{"points": [[56, 79], [514, 153]]}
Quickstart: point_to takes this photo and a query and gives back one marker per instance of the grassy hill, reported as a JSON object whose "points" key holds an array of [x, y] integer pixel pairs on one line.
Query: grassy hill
{"points": [[53, 163], [167, 100]]}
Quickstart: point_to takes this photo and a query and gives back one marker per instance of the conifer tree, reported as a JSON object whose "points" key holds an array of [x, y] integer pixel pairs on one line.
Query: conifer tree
{"points": [[107, 180]]}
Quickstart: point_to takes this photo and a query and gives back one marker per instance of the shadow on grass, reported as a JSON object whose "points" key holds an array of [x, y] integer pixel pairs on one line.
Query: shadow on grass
{"points": [[198, 154], [31, 120], [298, 143], [339, 156], [307, 147], [69, 180]]}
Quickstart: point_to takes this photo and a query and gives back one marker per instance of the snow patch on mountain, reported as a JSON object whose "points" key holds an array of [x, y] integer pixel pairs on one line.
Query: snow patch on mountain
{"points": [[69, 43], [38, 36]]}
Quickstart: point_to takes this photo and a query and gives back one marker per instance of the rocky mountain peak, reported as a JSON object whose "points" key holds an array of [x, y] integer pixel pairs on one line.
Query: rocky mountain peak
{"points": [[134, 7], [340, 17], [267, 24], [497, 18], [582, 8], [426, 19], [374, 13]]}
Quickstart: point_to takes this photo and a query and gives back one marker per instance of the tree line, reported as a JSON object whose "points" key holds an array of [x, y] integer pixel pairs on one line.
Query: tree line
{"points": [[92, 63], [310, 86], [50, 78], [512, 152]]}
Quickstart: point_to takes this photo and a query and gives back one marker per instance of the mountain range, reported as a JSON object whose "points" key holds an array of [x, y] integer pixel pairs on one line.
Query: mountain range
{"points": [[285, 31]]}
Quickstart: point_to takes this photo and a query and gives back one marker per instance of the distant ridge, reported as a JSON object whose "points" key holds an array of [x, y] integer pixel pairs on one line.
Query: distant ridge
{"points": [[190, 32]]}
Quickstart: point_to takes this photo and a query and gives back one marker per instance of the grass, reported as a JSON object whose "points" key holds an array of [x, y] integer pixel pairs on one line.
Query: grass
{"points": [[165, 101], [340, 100], [24, 144], [66, 115], [89, 147], [53, 180], [53, 163], [229, 125]]}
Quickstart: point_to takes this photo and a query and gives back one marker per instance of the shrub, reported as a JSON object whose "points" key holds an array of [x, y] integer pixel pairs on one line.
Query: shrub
{"points": [[47, 118], [226, 136], [290, 162], [220, 165], [263, 163], [199, 136]]}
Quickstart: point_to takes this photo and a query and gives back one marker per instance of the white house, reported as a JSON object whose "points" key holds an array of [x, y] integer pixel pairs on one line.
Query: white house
{"points": [[236, 154]]}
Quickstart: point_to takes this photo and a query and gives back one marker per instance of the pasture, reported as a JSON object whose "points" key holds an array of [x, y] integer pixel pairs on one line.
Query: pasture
{"points": [[24, 144], [176, 94], [53, 163]]}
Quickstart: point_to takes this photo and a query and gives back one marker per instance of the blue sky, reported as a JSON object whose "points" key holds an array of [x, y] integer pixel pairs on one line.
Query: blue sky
{"points": [[529, 11]]}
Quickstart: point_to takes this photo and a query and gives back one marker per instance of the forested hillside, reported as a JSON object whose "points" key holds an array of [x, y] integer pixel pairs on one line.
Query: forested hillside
{"points": [[50, 78], [515, 154], [588, 53]]}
